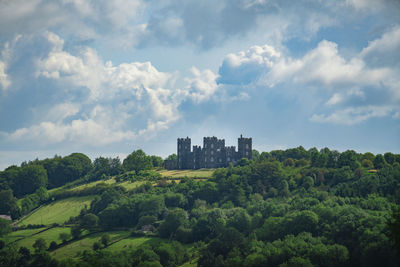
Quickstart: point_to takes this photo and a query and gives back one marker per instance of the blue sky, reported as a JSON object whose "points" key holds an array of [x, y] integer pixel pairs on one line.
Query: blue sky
{"points": [[108, 77]]}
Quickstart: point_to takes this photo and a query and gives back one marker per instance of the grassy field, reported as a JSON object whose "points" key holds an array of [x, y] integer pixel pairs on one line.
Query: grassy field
{"points": [[132, 242], [21, 234], [28, 237], [201, 173], [73, 249], [131, 185], [93, 184], [58, 211]]}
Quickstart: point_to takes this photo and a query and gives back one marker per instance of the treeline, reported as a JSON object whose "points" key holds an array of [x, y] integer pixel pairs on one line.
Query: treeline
{"points": [[31, 180], [329, 158]]}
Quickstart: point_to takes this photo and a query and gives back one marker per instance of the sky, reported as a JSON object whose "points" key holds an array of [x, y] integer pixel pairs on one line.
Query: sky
{"points": [[108, 77]]}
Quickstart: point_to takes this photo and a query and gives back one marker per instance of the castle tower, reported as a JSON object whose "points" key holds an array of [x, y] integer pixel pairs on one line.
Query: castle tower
{"points": [[184, 153], [244, 148], [213, 152]]}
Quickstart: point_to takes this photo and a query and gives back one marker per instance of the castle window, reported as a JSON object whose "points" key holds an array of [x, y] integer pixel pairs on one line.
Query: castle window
{"points": [[247, 145], [212, 145], [220, 160], [247, 153], [212, 152], [229, 158], [205, 159], [212, 159]]}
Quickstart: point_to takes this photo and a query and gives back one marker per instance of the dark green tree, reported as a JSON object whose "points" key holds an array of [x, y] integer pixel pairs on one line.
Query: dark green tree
{"points": [[31, 178], [39, 245], [174, 219], [137, 161], [105, 239]]}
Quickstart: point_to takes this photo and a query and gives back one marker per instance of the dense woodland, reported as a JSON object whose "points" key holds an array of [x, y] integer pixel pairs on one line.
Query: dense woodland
{"points": [[292, 207]]}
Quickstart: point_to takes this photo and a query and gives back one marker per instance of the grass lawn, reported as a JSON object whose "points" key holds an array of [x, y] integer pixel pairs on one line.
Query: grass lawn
{"points": [[31, 236], [129, 185], [93, 184], [13, 236], [73, 249], [58, 211], [132, 242], [201, 173]]}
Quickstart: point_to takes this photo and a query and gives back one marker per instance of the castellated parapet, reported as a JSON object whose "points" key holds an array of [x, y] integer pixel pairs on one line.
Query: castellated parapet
{"points": [[214, 153]]}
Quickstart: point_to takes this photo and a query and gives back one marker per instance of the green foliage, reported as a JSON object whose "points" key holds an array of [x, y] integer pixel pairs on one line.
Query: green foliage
{"points": [[379, 161], [5, 227], [137, 161], [53, 245], [29, 179], [173, 221], [96, 246], [105, 167], [76, 232], [8, 204], [105, 239], [89, 221], [64, 237], [39, 245], [157, 161], [322, 209]]}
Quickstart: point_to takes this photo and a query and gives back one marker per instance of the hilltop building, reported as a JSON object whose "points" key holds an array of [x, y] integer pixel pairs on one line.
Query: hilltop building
{"points": [[214, 153]]}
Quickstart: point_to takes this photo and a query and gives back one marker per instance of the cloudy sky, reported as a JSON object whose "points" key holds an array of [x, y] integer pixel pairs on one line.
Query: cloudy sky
{"points": [[108, 77]]}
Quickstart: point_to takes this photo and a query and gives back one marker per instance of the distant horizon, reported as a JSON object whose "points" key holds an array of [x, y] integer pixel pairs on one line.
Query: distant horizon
{"points": [[164, 156]]}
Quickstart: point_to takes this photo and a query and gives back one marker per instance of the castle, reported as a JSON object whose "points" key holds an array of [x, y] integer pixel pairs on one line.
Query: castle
{"points": [[214, 153]]}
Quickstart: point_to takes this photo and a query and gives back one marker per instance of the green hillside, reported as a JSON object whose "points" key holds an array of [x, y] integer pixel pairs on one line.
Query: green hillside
{"points": [[283, 208], [58, 211]]}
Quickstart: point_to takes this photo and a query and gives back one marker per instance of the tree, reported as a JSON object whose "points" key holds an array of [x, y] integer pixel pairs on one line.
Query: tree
{"points": [[31, 178], [5, 227], [174, 219], [64, 237], [39, 245], [379, 161], [105, 166], [137, 161], [105, 239], [366, 163], [53, 245], [297, 262], [8, 203], [68, 169], [289, 162], [96, 246], [157, 161], [89, 221], [76, 232], [241, 220], [348, 158]]}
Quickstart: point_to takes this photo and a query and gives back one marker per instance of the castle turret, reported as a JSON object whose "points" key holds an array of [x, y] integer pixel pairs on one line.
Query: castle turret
{"points": [[184, 153], [244, 147]]}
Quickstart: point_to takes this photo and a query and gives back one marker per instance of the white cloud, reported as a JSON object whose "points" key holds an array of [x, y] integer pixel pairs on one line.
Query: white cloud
{"points": [[4, 80], [384, 50], [351, 116], [202, 86], [117, 103], [335, 99], [348, 81], [246, 66], [59, 112]]}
